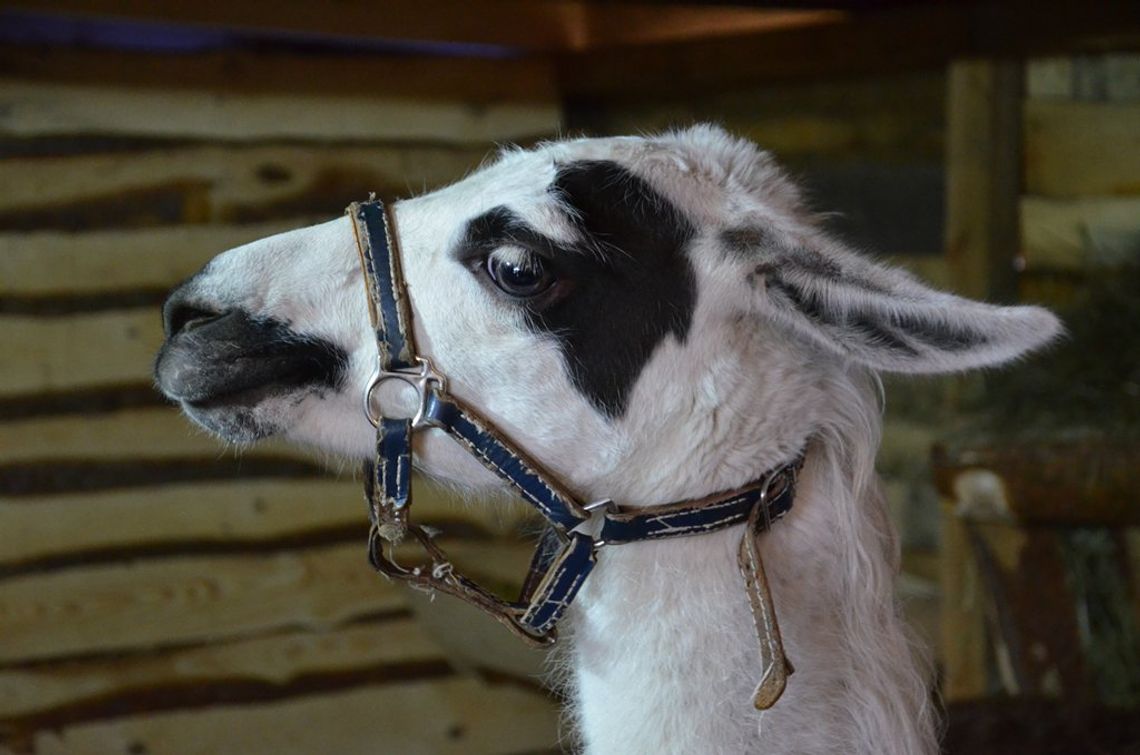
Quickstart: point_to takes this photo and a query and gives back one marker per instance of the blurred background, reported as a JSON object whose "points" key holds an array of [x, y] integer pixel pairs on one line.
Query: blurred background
{"points": [[162, 594]]}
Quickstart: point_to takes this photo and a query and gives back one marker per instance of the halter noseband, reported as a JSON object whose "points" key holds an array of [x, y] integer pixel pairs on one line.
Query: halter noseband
{"points": [[568, 552]]}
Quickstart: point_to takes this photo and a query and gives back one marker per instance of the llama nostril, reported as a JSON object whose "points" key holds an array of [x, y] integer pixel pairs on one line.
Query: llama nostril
{"points": [[179, 316]]}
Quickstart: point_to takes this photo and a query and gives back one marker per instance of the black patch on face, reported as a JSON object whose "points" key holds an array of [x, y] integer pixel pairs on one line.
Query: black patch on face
{"points": [[621, 289]]}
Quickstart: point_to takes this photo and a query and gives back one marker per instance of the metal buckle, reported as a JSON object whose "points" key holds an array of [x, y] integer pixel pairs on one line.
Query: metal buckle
{"points": [[592, 527], [421, 380]]}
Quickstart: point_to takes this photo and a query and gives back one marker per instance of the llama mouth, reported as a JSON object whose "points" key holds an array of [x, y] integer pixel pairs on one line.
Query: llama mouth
{"points": [[234, 362]]}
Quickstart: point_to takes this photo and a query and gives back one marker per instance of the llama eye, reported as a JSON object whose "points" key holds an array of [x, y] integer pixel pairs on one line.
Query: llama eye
{"points": [[522, 278]]}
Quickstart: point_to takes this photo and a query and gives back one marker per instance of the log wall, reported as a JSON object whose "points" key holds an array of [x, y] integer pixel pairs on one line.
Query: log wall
{"points": [[160, 592]]}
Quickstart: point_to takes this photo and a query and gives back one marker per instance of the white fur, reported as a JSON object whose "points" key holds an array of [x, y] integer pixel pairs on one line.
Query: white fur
{"points": [[664, 655]]}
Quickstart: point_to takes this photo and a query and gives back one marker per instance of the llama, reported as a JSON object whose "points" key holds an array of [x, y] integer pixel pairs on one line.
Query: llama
{"points": [[654, 319]]}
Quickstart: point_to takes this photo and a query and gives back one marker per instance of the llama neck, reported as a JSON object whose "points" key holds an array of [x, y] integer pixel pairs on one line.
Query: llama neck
{"points": [[666, 656]]}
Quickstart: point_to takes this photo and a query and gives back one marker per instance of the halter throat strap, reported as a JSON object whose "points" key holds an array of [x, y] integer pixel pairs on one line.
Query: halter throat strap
{"points": [[577, 530]]}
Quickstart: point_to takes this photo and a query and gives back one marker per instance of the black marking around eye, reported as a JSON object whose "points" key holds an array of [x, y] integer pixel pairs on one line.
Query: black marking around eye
{"points": [[500, 226], [630, 282], [627, 300]]}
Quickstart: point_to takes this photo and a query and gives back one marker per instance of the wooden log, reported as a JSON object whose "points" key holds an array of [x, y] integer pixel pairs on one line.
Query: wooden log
{"points": [[1075, 149], [449, 717], [265, 667], [168, 520], [241, 72], [108, 609], [36, 109], [1079, 234], [218, 184], [60, 354], [137, 434], [68, 265], [983, 177], [115, 608], [240, 516]]}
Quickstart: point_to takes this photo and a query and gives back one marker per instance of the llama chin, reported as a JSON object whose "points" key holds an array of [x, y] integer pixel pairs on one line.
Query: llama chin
{"points": [[653, 319]]}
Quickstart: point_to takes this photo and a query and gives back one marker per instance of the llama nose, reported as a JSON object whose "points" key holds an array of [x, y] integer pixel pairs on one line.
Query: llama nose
{"points": [[180, 313]]}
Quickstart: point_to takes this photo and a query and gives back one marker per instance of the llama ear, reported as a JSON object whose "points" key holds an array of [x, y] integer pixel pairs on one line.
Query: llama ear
{"points": [[887, 320]]}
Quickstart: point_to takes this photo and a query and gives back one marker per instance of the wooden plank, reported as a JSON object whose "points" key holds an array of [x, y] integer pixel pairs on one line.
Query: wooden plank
{"points": [[116, 608], [983, 167], [61, 265], [242, 72], [1077, 234], [37, 109], [219, 517], [138, 434], [455, 717], [218, 184], [1075, 149], [174, 518], [288, 663], [59, 354]]}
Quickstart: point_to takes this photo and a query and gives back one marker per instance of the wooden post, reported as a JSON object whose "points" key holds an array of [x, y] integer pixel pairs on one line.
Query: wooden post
{"points": [[983, 176], [983, 188]]}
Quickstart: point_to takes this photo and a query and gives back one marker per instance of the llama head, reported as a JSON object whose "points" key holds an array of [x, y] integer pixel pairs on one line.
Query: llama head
{"points": [[620, 307]]}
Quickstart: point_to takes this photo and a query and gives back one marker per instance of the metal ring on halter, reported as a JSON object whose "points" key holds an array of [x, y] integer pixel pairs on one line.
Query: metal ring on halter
{"points": [[421, 380]]}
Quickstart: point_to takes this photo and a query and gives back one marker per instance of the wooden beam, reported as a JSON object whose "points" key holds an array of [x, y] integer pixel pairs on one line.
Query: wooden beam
{"points": [[880, 41], [509, 23], [557, 25], [983, 177], [241, 72]]}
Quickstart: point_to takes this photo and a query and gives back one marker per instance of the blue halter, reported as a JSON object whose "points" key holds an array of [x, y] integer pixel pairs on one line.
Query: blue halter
{"points": [[563, 562]]}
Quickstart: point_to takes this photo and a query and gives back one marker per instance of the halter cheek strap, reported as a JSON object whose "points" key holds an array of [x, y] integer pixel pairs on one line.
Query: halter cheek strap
{"points": [[576, 531]]}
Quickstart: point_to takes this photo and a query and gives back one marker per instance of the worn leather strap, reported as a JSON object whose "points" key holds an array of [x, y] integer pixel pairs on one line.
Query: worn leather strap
{"points": [[535, 485], [388, 305], [774, 665], [705, 515]]}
